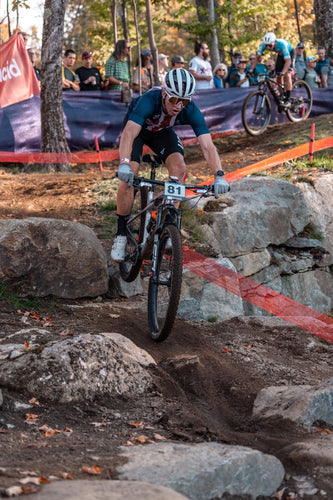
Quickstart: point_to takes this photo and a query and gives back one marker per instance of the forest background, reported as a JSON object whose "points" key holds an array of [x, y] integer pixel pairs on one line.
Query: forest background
{"points": [[226, 25], [167, 26]]}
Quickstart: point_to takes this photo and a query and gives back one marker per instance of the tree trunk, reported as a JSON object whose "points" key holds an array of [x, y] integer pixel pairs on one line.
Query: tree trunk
{"points": [[114, 20], [297, 21], [53, 132], [124, 19], [8, 19], [324, 23], [214, 51], [152, 44], [137, 42]]}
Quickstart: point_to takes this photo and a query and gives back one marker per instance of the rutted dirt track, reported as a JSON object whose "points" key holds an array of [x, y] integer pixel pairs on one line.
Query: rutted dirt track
{"points": [[205, 394]]}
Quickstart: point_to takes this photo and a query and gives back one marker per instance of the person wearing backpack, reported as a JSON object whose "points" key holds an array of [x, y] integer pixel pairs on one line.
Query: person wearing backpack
{"points": [[309, 74]]}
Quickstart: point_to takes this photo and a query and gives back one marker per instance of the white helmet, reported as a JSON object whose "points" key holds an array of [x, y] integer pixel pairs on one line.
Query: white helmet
{"points": [[269, 38], [179, 82]]}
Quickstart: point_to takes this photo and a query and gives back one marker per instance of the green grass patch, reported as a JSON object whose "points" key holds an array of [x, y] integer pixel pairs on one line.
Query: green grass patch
{"points": [[17, 302]]}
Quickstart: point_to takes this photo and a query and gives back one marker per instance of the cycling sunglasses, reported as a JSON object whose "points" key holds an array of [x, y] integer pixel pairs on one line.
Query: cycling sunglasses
{"points": [[269, 45], [176, 100]]}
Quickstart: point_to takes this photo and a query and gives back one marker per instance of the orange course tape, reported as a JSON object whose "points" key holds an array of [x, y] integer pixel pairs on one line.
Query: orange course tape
{"points": [[291, 311]]}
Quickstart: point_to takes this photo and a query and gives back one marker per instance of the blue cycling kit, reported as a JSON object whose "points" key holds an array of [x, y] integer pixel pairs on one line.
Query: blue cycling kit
{"points": [[282, 48], [148, 112]]}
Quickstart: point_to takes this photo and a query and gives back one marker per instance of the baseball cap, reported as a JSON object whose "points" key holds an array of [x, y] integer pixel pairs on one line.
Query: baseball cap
{"points": [[86, 54], [237, 54], [178, 59], [162, 56], [300, 45], [311, 59], [145, 52]]}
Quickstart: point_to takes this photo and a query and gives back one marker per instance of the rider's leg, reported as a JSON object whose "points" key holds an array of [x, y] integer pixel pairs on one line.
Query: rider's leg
{"points": [[175, 164], [125, 197]]}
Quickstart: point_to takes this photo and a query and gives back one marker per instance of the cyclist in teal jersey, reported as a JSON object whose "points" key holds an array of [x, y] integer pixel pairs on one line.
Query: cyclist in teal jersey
{"points": [[150, 121], [284, 62]]}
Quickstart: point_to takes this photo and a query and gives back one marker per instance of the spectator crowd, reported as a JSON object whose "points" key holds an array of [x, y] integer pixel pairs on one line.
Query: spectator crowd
{"points": [[316, 70]]}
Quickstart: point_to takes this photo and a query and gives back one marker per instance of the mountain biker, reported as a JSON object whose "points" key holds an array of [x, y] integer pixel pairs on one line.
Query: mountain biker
{"points": [[284, 63], [151, 120]]}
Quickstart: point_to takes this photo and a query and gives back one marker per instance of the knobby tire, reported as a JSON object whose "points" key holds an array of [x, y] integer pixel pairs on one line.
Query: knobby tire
{"points": [[165, 287], [256, 114], [130, 268], [301, 102]]}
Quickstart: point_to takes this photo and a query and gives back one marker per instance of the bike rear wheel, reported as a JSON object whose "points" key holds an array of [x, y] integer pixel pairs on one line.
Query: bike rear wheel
{"points": [[129, 269], [165, 285], [301, 102], [256, 112]]}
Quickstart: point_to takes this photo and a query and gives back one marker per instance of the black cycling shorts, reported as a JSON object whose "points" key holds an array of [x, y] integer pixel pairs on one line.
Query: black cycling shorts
{"points": [[280, 60], [164, 143]]}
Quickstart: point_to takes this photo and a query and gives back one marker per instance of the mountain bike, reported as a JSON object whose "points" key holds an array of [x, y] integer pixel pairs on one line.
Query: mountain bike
{"points": [[256, 110], [153, 234]]}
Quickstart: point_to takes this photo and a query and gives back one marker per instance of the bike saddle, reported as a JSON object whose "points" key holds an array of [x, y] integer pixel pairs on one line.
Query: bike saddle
{"points": [[153, 160]]}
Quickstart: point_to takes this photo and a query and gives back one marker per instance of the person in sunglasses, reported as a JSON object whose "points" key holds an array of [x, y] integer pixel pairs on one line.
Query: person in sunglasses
{"points": [[150, 121], [284, 62]]}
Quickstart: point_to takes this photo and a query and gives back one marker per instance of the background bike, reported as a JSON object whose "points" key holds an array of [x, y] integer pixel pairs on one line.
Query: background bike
{"points": [[256, 110], [153, 234]]}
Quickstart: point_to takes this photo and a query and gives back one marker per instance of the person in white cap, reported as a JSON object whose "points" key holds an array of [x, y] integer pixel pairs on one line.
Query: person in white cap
{"points": [[163, 63]]}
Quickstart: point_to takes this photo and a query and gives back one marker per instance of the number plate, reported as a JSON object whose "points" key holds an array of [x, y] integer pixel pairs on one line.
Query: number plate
{"points": [[174, 191]]}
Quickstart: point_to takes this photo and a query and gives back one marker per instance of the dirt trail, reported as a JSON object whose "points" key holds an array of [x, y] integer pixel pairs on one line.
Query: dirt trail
{"points": [[206, 393]]}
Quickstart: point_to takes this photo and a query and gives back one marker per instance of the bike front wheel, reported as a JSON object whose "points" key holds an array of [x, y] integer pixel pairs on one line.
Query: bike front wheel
{"points": [[165, 284], [256, 112], [129, 269], [301, 102]]}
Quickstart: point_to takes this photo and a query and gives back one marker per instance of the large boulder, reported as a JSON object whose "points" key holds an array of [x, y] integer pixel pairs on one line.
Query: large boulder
{"points": [[52, 257], [260, 211], [319, 196], [79, 369]]}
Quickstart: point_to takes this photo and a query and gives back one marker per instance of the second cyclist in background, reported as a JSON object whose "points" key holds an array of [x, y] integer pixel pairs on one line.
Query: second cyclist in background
{"points": [[284, 63]]}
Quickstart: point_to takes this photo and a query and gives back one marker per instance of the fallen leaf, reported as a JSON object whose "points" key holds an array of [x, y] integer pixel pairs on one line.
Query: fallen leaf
{"points": [[158, 437], [31, 416], [27, 345], [67, 475], [94, 470], [98, 424], [28, 473], [48, 431], [34, 401], [42, 444], [128, 443], [226, 350], [249, 346], [27, 480], [136, 424], [114, 315], [68, 429], [143, 440]]}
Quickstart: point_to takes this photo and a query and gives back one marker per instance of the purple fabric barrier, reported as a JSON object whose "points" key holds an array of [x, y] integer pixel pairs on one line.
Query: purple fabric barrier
{"points": [[90, 114]]}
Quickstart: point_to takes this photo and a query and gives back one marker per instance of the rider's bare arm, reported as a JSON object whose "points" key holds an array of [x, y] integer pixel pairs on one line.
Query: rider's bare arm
{"points": [[130, 132], [210, 153]]}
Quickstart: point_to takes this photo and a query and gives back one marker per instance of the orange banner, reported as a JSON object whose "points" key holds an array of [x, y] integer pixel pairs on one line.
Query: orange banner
{"points": [[18, 81]]}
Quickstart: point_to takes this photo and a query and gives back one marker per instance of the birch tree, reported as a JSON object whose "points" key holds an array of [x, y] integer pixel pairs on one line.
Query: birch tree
{"points": [[53, 132]]}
